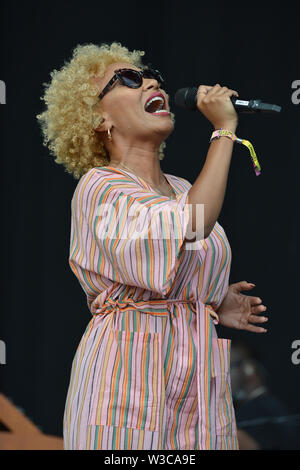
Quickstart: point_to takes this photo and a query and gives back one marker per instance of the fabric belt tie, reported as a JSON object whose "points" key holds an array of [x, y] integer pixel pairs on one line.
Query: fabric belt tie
{"points": [[159, 307]]}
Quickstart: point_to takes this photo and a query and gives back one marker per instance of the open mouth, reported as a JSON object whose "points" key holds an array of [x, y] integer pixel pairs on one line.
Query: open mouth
{"points": [[156, 105]]}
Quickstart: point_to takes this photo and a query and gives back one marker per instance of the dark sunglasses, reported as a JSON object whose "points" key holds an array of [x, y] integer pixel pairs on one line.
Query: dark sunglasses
{"points": [[133, 78]]}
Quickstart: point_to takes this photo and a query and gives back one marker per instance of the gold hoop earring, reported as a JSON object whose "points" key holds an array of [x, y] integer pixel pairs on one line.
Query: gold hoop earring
{"points": [[109, 134]]}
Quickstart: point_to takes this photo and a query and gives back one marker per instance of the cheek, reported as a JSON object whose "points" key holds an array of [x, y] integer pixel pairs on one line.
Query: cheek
{"points": [[127, 110]]}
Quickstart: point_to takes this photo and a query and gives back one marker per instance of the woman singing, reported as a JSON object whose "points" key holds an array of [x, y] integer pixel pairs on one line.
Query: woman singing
{"points": [[150, 371]]}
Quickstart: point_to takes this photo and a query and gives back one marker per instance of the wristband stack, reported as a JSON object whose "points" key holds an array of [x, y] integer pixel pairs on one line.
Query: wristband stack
{"points": [[225, 133]]}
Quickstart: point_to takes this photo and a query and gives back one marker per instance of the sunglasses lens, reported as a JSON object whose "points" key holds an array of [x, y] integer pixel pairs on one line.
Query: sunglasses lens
{"points": [[151, 73], [131, 78]]}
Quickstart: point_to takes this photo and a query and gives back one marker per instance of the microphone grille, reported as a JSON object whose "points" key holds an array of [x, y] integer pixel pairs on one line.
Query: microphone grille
{"points": [[186, 98]]}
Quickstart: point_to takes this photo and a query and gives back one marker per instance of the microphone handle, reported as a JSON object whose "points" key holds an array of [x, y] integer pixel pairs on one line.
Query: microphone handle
{"points": [[187, 97], [253, 106]]}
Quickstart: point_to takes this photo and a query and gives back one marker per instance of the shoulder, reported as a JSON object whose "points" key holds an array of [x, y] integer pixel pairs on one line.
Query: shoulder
{"points": [[90, 182], [102, 177], [101, 185], [180, 181]]}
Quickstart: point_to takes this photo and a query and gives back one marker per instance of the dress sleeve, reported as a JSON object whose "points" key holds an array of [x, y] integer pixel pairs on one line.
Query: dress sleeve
{"points": [[127, 234]]}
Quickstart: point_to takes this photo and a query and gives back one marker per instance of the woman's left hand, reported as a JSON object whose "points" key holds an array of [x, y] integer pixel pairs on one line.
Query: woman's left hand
{"points": [[240, 311]]}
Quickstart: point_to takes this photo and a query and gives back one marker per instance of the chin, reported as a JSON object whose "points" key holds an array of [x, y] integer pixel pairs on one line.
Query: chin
{"points": [[170, 128], [167, 125]]}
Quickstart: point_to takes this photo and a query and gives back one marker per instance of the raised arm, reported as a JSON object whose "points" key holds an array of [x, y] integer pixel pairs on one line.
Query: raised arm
{"points": [[210, 185]]}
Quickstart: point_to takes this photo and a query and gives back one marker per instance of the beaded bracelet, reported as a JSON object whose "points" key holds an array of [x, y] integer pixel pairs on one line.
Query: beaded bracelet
{"points": [[225, 133]]}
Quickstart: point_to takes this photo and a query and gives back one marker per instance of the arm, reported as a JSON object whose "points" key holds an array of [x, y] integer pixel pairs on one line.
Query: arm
{"points": [[210, 185]]}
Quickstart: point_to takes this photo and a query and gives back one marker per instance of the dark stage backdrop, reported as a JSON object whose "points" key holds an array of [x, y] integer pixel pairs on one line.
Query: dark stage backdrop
{"points": [[255, 51]]}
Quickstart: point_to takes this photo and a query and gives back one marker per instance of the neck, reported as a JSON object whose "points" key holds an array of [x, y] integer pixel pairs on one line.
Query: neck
{"points": [[144, 163]]}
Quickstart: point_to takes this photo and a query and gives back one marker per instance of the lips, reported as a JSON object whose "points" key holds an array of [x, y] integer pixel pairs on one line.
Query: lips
{"points": [[156, 105], [153, 95]]}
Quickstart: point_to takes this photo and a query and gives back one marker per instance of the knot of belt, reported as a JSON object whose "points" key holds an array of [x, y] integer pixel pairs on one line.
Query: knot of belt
{"points": [[158, 307]]}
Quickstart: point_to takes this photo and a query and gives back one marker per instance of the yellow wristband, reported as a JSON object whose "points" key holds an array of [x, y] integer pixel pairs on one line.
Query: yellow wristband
{"points": [[225, 133]]}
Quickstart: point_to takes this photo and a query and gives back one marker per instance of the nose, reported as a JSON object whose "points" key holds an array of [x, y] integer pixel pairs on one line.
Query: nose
{"points": [[150, 83]]}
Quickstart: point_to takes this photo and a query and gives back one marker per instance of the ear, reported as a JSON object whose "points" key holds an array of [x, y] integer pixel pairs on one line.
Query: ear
{"points": [[104, 124]]}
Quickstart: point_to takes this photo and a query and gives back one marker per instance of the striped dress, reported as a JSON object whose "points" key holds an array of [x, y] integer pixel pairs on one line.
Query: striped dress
{"points": [[150, 371]]}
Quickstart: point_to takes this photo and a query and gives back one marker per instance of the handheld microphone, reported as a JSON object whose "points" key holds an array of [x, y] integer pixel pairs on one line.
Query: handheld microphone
{"points": [[187, 98]]}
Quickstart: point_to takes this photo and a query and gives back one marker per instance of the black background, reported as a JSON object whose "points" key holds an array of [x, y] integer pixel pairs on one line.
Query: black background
{"points": [[252, 50]]}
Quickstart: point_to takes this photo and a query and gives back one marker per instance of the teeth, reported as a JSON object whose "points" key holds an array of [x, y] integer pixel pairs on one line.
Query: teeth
{"points": [[159, 111], [156, 98]]}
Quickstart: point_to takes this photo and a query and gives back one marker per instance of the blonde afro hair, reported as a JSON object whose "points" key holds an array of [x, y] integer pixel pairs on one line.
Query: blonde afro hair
{"points": [[70, 117]]}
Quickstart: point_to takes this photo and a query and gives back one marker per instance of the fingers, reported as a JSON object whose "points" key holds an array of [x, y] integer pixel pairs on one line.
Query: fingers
{"points": [[203, 90], [258, 308], [257, 319], [256, 300], [225, 91], [216, 90], [214, 104], [255, 329], [212, 92]]}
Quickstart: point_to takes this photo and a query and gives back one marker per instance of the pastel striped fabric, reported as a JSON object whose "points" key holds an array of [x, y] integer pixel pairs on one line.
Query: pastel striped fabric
{"points": [[149, 371]]}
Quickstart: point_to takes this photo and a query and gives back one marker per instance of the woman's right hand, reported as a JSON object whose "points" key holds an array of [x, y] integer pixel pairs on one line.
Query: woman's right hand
{"points": [[215, 104]]}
